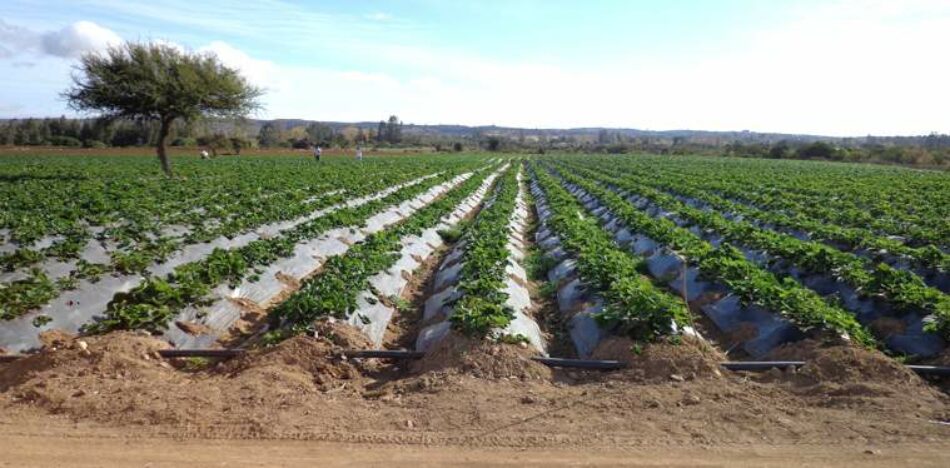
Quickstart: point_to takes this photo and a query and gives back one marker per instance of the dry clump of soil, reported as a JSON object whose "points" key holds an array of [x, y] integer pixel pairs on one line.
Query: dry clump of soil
{"points": [[341, 334], [64, 356], [120, 379], [661, 361], [306, 363], [802, 350], [302, 363], [853, 377], [460, 354]]}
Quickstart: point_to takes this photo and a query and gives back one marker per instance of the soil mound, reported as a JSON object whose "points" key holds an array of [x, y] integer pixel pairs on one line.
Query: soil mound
{"points": [[300, 363], [842, 364], [64, 356], [687, 359], [341, 334], [802, 350], [119, 378], [851, 376], [480, 359]]}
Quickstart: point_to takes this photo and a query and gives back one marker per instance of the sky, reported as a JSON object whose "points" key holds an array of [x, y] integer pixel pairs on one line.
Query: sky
{"points": [[832, 67]]}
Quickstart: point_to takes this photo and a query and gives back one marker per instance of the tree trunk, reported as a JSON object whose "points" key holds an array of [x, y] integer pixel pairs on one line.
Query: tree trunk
{"points": [[163, 132]]}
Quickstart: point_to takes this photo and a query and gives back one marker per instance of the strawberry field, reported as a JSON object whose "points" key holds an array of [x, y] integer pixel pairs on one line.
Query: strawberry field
{"points": [[751, 255], [483, 299]]}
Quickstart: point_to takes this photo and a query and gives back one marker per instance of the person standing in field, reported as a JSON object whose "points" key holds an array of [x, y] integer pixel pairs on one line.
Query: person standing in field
{"points": [[204, 154], [317, 152], [359, 153]]}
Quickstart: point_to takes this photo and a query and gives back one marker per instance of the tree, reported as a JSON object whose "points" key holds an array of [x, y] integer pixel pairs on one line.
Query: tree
{"points": [[320, 134], [381, 132], [393, 130], [779, 150], [159, 83], [816, 150], [238, 143], [269, 136]]}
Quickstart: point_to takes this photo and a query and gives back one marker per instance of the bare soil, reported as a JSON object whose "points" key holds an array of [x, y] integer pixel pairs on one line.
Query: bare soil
{"points": [[473, 395]]}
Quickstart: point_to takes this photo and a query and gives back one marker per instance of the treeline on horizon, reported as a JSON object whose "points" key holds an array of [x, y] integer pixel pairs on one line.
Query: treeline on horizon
{"points": [[231, 136]]}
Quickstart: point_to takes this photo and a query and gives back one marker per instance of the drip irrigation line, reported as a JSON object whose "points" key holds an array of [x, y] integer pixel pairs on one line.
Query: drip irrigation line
{"points": [[593, 364], [581, 363]]}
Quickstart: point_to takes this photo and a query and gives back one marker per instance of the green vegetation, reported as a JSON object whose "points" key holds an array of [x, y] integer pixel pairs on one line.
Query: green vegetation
{"points": [[753, 284], [334, 291], [633, 305], [481, 310], [161, 83]]}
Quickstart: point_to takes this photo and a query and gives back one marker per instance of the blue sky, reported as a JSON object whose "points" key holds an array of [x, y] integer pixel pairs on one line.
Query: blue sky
{"points": [[838, 67]]}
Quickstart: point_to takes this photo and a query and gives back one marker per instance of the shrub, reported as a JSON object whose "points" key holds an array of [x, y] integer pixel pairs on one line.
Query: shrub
{"points": [[65, 141]]}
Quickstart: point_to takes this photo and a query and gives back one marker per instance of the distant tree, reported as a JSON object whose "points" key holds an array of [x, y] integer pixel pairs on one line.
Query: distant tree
{"points": [[816, 150], [320, 134], [381, 132], [493, 143], [239, 143], [129, 134], [340, 141], [268, 136], [159, 83], [457, 147], [779, 150], [393, 130]]}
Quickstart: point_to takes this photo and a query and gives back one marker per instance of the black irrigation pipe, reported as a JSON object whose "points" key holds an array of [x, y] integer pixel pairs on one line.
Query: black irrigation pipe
{"points": [[753, 366], [940, 371], [760, 366], [581, 363]]}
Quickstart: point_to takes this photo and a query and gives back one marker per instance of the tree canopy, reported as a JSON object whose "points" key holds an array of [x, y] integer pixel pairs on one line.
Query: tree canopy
{"points": [[152, 81]]}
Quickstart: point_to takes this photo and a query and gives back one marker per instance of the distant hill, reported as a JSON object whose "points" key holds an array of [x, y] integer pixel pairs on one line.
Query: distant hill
{"points": [[588, 134], [714, 138]]}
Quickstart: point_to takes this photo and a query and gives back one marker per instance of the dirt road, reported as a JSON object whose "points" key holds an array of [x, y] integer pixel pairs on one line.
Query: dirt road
{"points": [[52, 443]]}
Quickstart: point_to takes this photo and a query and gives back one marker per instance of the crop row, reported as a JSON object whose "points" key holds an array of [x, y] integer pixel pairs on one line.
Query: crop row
{"points": [[54, 196], [152, 301], [899, 287], [898, 193], [155, 302], [906, 203], [480, 286], [858, 239], [21, 296], [481, 309], [137, 233], [633, 304], [727, 264], [334, 291]]}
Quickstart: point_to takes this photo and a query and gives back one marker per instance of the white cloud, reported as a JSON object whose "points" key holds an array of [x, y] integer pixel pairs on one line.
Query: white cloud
{"points": [[68, 42], [15, 39], [259, 72], [78, 38]]}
